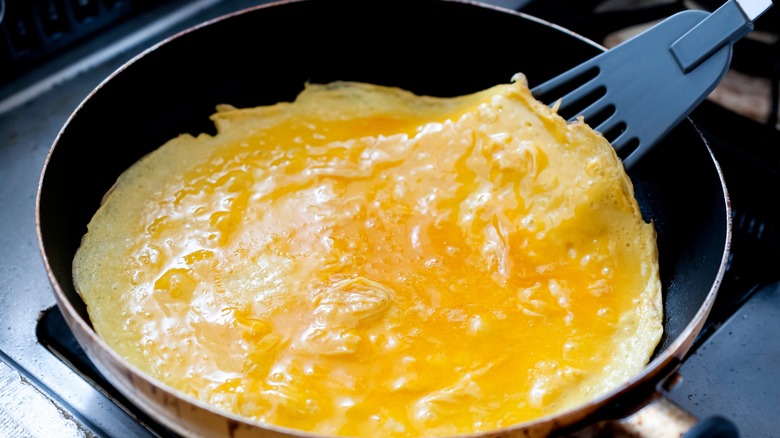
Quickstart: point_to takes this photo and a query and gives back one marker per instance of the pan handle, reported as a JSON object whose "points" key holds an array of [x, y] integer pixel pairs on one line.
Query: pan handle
{"points": [[662, 418]]}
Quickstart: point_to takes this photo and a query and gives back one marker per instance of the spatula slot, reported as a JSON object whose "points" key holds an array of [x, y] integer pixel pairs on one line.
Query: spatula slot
{"points": [[629, 148], [573, 106], [551, 91], [602, 115], [613, 133]]}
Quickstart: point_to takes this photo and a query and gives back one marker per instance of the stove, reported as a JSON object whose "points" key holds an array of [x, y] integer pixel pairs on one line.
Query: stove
{"points": [[53, 53]]}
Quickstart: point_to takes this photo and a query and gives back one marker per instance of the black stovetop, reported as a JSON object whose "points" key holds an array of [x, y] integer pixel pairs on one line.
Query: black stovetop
{"points": [[48, 386]]}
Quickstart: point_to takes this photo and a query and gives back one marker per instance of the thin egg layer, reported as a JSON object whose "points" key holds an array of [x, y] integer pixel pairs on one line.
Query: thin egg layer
{"points": [[366, 261]]}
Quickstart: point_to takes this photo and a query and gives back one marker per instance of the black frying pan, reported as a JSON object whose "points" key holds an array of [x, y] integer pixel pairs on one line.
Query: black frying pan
{"points": [[442, 48]]}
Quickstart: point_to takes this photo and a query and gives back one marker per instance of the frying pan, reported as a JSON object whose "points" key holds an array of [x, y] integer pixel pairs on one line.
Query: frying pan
{"points": [[264, 55]]}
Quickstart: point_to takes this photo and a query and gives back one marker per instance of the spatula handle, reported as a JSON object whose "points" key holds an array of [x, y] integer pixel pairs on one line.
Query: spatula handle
{"points": [[727, 24]]}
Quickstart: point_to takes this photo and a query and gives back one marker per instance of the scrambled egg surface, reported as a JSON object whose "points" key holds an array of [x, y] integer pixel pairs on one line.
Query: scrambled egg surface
{"points": [[366, 261]]}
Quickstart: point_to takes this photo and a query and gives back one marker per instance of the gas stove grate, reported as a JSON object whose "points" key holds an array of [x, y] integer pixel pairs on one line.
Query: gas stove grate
{"points": [[32, 32], [56, 336]]}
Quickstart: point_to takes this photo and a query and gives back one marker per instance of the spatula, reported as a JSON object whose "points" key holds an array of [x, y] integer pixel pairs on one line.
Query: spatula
{"points": [[638, 91]]}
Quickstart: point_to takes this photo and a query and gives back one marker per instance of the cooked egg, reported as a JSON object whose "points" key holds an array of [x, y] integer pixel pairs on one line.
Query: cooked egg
{"points": [[367, 261]]}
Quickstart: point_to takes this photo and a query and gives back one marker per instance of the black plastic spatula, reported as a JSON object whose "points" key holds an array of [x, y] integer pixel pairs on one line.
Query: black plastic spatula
{"points": [[636, 92]]}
